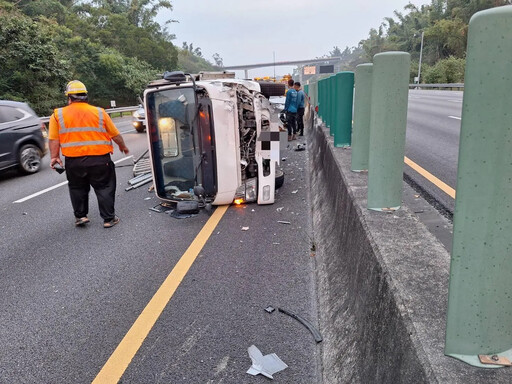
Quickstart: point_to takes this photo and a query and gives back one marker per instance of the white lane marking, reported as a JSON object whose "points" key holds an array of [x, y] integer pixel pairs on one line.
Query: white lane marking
{"points": [[58, 185], [41, 192], [131, 130], [454, 117], [455, 100]]}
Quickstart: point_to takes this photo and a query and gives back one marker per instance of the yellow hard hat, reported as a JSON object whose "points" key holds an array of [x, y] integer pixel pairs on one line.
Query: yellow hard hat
{"points": [[75, 87]]}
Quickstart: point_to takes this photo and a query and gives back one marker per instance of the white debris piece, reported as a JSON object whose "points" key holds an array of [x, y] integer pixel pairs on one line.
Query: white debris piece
{"points": [[265, 365], [295, 191], [245, 228], [279, 209]]}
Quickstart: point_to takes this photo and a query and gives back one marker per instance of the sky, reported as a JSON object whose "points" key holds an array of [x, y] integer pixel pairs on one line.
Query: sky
{"points": [[248, 32]]}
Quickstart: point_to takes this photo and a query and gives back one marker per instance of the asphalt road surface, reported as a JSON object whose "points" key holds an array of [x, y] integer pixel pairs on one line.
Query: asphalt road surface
{"points": [[82, 303], [70, 296], [432, 139]]}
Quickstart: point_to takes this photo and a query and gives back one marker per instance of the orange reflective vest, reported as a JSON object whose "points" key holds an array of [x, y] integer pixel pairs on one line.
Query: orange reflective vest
{"points": [[84, 130]]}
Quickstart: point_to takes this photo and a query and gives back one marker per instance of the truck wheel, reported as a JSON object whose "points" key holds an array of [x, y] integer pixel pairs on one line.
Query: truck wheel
{"points": [[271, 89], [140, 129], [279, 178]]}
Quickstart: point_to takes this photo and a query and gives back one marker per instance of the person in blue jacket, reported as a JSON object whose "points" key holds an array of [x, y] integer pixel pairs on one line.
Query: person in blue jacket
{"points": [[300, 108], [291, 106]]}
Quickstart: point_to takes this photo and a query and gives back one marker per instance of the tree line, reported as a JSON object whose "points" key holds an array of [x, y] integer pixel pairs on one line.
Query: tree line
{"points": [[114, 46], [444, 25]]}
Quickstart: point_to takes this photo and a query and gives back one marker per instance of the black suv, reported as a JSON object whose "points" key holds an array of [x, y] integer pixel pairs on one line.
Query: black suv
{"points": [[22, 137]]}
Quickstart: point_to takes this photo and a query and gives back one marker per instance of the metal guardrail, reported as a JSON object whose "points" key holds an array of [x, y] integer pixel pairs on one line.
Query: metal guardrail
{"points": [[110, 111], [439, 86]]}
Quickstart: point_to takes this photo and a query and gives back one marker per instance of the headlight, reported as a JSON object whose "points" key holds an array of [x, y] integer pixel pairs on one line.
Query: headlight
{"points": [[136, 115], [247, 192]]}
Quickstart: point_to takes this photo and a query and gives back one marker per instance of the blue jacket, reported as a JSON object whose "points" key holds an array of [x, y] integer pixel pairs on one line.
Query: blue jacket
{"points": [[291, 103], [300, 99]]}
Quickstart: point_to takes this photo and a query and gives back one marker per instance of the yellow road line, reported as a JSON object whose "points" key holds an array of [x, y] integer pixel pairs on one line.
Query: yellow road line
{"points": [[132, 341], [430, 177]]}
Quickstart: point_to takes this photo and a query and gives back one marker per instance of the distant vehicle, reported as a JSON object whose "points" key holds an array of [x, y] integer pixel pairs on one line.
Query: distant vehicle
{"points": [[22, 137], [139, 119], [212, 140]]}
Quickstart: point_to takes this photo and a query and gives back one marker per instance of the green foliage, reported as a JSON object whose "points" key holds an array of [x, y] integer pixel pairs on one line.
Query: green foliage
{"points": [[446, 38], [192, 63], [450, 70], [32, 68], [444, 24], [114, 46]]}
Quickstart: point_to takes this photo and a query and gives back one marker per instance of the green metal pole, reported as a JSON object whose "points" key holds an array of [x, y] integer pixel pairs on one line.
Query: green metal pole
{"points": [[332, 98], [362, 110], [480, 303], [328, 103], [314, 94], [388, 121], [327, 98], [344, 84], [321, 85]]}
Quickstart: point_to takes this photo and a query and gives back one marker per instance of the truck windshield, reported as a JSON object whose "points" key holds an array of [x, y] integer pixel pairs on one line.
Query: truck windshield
{"points": [[172, 131]]}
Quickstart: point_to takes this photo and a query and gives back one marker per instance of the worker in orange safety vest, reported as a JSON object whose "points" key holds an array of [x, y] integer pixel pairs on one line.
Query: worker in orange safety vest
{"points": [[84, 135]]}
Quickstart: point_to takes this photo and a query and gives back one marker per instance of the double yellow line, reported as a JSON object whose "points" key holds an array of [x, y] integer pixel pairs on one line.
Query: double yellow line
{"points": [[132, 341]]}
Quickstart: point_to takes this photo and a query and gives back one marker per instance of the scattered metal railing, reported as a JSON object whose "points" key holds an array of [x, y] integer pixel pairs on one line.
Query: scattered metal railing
{"points": [[110, 111]]}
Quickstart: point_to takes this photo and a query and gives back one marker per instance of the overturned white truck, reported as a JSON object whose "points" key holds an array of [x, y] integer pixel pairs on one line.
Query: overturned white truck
{"points": [[212, 141]]}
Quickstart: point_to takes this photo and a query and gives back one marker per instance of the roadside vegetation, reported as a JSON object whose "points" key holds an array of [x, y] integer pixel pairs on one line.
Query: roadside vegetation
{"points": [[444, 24], [114, 47]]}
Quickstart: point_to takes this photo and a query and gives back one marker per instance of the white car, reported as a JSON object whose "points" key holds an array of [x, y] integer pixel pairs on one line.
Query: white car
{"points": [[212, 141]]}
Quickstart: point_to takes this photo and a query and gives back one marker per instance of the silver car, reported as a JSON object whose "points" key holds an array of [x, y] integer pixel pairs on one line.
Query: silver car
{"points": [[139, 119]]}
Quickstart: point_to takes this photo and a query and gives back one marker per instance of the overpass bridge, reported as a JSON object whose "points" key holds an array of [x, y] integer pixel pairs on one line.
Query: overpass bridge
{"points": [[246, 67]]}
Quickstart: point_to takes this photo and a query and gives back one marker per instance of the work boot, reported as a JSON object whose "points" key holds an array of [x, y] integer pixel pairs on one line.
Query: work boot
{"points": [[81, 221], [110, 223], [289, 137], [294, 137]]}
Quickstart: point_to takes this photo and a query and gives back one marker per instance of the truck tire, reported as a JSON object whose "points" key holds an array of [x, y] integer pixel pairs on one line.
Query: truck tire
{"points": [[279, 178], [271, 89]]}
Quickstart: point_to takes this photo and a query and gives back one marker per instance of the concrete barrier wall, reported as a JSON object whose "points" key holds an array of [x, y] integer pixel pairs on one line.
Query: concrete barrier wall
{"points": [[382, 282]]}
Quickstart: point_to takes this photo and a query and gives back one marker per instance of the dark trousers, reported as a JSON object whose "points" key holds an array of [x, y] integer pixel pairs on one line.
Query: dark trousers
{"points": [[98, 172], [300, 121], [291, 121]]}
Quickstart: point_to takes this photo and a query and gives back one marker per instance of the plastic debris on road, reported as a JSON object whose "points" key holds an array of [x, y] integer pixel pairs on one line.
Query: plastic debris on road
{"points": [[283, 222], [267, 365], [294, 192], [279, 209], [316, 334], [245, 228]]}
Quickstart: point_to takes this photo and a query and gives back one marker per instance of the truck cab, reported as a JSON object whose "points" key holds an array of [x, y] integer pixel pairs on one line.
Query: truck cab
{"points": [[215, 134]]}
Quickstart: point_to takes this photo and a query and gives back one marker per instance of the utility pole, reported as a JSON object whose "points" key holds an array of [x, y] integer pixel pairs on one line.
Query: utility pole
{"points": [[421, 54]]}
